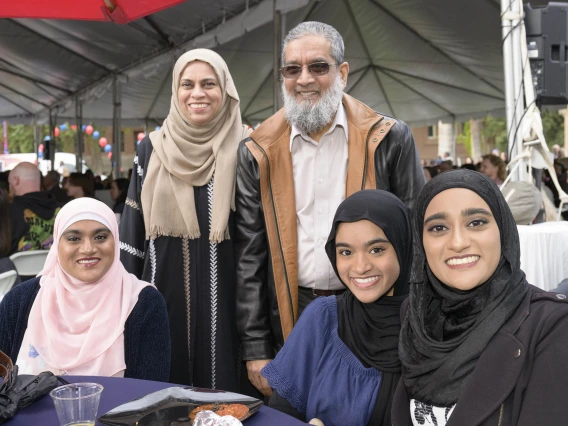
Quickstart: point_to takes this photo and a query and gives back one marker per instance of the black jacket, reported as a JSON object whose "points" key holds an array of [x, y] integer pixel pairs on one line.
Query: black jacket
{"points": [[396, 169], [521, 378]]}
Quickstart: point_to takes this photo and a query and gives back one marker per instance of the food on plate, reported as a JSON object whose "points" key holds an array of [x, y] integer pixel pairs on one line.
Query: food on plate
{"points": [[238, 411]]}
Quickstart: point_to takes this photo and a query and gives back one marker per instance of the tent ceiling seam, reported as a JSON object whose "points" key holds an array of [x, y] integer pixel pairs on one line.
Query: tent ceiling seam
{"points": [[464, 89], [257, 92], [429, 43], [384, 92], [366, 70], [31, 79], [417, 92], [158, 93], [14, 103], [23, 95], [146, 32], [367, 52], [153, 55], [59, 45], [166, 38]]}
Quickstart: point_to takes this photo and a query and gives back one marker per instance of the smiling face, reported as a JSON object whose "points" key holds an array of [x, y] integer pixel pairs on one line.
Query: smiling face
{"points": [[305, 51], [199, 93], [86, 250], [366, 260], [461, 239]]}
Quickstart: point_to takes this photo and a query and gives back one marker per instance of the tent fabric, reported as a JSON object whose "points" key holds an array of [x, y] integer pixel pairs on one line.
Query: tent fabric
{"points": [[418, 60]]}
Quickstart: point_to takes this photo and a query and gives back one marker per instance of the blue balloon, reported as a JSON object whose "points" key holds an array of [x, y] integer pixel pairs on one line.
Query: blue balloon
{"points": [[108, 148], [63, 127], [47, 138], [157, 128], [83, 127], [96, 134]]}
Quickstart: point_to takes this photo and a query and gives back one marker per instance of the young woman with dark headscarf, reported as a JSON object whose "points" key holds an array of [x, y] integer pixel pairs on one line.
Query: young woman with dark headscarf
{"points": [[176, 225], [340, 363], [479, 345]]}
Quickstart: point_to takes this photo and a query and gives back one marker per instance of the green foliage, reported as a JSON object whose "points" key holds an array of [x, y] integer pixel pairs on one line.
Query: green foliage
{"points": [[20, 139], [553, 124], [495, 132], [464, 138]]}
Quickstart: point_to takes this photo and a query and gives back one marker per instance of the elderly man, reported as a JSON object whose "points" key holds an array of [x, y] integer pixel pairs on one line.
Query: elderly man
{"points": [[292, 174], [32, 212]]}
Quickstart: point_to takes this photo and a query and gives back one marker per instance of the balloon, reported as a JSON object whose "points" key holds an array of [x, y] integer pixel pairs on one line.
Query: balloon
{"points": [[83, 127], [157, 128], [56, 132], [73, 127], [108, 148], [137, 143], [109, 155], [141, 136], [89, 130], [96, 134], [63, 127], [47, 138], [103, 142], [40, 147]]}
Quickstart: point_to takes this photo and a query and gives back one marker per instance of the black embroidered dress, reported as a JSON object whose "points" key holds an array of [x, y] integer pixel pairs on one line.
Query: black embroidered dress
{"points": [[197, 280]]}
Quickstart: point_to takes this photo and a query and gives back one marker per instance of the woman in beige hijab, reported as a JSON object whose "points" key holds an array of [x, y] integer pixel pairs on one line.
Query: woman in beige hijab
{"points": [[177, 222]]}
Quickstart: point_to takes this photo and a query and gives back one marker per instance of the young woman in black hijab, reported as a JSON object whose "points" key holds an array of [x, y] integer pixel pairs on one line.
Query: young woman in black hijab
{"points": [[479, 345], [340, 363]]}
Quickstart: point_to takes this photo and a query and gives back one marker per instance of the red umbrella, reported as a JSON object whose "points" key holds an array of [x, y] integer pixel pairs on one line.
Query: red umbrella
{"points": [[119, 11]]}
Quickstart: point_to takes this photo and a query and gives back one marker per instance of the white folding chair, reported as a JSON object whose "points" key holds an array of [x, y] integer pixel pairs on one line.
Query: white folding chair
{"points": [[29, 263], [7, 280]]}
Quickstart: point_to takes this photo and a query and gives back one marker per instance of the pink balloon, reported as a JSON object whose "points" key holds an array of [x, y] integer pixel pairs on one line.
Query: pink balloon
{"points": [[89, 130], [56, 131], [103, 142], [141, 136], [40, 147], [74, 126], [109, 155]]}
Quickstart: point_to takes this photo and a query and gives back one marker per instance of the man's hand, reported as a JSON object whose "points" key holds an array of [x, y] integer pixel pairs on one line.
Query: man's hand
{"points": [[259, 382]]}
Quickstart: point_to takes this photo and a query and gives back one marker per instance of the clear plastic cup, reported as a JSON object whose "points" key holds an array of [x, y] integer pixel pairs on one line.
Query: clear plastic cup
{"points": [[77, 403]]}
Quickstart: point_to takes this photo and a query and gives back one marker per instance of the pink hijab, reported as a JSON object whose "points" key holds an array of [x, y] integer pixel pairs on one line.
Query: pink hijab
{"points": [[78, 327]]}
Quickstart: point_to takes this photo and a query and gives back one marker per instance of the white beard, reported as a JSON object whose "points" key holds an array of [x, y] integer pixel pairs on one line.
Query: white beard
{"points": [[311, 118]]}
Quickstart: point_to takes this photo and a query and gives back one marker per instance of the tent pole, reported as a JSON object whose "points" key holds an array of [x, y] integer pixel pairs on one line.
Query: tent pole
{"points": [[117, 134], [508, 9], [276, 67], [51, 140], [79, 145]]}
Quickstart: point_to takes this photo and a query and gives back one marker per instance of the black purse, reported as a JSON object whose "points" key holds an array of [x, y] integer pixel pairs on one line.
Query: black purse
{"points": [[19, 391]]}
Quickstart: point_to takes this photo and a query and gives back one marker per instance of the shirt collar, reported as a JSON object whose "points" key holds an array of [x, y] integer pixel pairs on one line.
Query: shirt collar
{"points": [[339, 120]]}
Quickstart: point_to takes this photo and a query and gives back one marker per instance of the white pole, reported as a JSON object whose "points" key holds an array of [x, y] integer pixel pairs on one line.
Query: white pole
{"points": [[508, 66], [516, 133]]}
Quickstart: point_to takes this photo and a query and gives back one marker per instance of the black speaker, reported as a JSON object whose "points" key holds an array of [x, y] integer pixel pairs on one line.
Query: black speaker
{"points": [[547, 32]]}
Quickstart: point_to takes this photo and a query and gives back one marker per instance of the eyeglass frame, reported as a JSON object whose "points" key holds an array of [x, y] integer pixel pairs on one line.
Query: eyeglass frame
{"points": [[308, 67]]}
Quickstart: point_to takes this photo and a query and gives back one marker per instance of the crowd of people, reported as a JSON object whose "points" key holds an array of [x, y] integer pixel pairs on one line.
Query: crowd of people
{"points": [[307, 262]]}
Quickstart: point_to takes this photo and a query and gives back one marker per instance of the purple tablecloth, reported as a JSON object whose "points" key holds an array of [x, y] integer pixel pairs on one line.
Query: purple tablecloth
{"points": [[118, 391]]}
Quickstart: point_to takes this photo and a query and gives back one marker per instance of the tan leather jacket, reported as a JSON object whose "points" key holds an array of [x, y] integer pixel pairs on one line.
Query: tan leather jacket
{"points": [[266, 235]]}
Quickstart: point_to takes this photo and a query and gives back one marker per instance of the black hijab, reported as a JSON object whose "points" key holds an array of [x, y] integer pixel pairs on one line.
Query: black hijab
{"points": [[445, 330], [371, 330]]}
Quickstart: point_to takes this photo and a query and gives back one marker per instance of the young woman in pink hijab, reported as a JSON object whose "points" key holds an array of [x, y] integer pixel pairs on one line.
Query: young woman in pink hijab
{"points": [[84, 314]]}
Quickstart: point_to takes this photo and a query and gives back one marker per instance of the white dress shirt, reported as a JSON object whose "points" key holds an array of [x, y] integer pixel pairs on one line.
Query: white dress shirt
{"points": [[320, 173]]}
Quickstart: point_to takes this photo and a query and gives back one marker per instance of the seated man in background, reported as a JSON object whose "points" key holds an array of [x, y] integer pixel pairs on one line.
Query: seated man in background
{"points": [[51, 184], [32, 212]]}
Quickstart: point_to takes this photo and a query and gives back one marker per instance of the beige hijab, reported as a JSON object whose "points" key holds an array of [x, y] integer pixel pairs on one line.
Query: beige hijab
{"points": [[187, 155]]}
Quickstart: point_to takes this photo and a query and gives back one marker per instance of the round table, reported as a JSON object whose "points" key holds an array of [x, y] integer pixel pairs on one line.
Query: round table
{"points": [[544, 253], [117, 391]]}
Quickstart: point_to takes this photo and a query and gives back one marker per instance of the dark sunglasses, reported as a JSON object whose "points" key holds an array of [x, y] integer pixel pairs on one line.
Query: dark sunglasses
{"points": [[315, 69]]}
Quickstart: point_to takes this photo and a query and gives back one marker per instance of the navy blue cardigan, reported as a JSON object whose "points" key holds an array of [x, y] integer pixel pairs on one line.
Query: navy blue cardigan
{"points": [[146, 332]]}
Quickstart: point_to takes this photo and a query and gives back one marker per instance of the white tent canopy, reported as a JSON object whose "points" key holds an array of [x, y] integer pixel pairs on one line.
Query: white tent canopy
{"points": [[419, 60]]}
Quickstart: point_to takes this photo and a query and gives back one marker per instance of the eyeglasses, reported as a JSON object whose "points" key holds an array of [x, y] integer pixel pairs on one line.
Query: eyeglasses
{"points": [[316, 69]]}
